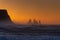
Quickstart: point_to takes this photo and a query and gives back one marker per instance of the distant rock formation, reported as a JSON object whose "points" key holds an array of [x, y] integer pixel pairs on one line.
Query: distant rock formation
{"points": [[4, 18], [34, 22], [30, 21]]}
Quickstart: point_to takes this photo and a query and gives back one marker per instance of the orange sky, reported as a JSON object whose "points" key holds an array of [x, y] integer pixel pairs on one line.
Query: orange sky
{"points": [[20, 11]]}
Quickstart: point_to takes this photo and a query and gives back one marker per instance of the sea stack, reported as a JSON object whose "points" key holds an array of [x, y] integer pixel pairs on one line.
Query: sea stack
{"points": [[5, 18]]}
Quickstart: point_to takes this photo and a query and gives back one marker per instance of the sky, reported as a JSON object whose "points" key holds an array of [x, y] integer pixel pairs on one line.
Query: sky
{"points": [[20, 11]]}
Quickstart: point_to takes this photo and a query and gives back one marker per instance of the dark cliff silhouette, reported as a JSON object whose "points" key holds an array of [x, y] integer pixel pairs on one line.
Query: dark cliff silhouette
{"points": [[4, 17]]}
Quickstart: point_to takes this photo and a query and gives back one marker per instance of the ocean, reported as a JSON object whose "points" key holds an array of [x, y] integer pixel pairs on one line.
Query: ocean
{"points": [[28, 37]]}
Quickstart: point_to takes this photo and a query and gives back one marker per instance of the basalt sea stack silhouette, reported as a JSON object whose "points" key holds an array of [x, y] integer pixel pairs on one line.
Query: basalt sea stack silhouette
{"points": [[4, 18]]}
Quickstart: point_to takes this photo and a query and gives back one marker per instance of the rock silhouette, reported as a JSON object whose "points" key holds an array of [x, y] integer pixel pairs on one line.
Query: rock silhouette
{"points": [[4, 17], [34, 22]]}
